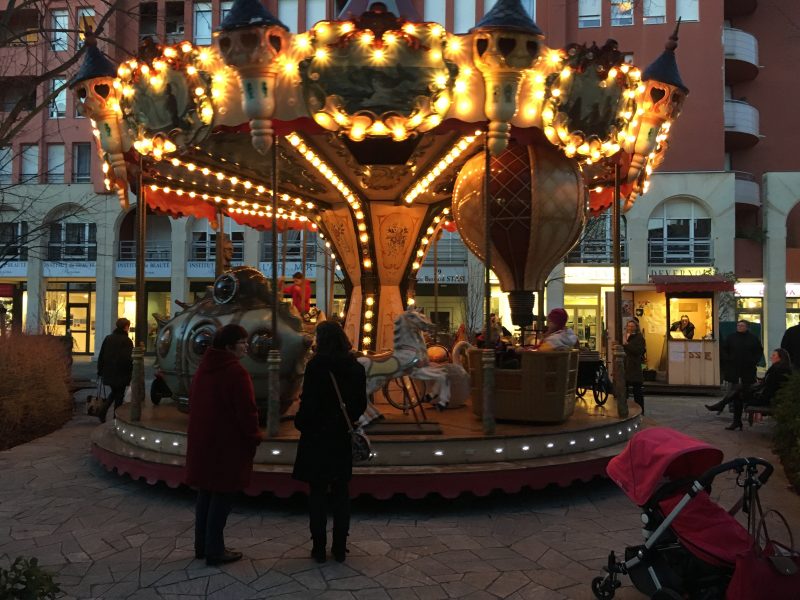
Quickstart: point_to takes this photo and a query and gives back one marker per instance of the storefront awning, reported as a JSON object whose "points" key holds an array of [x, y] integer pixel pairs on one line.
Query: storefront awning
{"points": [[691, 283]]}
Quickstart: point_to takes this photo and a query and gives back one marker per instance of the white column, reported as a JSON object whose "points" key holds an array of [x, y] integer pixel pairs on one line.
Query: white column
{"points": [[106, 284], [36, 292], [554, 292], [252, 243], [637, 246], [775, 278], [179, 284]]}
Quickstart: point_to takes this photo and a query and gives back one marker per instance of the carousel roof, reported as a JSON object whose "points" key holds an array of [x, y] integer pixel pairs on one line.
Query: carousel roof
{"points": [[95, 64]]}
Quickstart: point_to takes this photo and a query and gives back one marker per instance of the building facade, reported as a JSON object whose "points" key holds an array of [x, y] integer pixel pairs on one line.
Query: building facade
{"points": [[725, 200]]}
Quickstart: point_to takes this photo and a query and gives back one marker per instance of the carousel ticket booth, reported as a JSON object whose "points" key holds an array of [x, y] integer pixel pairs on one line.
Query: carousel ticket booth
{"points": [[679, 318]]}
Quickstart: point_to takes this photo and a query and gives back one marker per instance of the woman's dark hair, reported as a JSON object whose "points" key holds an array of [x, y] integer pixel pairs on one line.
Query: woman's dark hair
{"points": [[331, 340], [785, 361], [228, 336]]}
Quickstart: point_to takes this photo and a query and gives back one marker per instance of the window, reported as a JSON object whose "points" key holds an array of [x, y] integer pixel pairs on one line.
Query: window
{"points": [[687, 10], [17, 91], [204, 240], [288, 13], [589, 13], [6, 158], [655, 12], [435, 11], [58, 98], [12, 241], [463, 16], [59, 23], [82, 162], [450, 250], [621, 13], [21, 26], [595, 244], [85, 21], [70, 241], [225, 8], [174, 23], [29, 167], [55, 163], [680, 233], [291, 240], [315, 12], [202, 23]]}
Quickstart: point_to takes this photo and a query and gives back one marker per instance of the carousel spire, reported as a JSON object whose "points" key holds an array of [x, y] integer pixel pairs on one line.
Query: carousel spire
{"points": [[247, 13], [665, 67], [508, 14], [95, 63]]}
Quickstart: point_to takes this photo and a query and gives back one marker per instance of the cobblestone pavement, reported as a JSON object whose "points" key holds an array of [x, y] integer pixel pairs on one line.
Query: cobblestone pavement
{"points": [[106, 536]]}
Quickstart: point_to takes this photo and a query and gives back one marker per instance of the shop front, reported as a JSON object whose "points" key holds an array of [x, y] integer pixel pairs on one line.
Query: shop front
{"points": [[679, 318], [158, 300], [750, 302], [69, 308], [585, 290]]}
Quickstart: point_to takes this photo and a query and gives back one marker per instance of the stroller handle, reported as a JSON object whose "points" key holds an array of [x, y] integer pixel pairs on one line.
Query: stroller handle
{"points": [[737, 464]]}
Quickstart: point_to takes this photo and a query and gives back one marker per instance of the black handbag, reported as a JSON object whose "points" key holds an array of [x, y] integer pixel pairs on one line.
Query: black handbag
{"points": [[359, 442]]}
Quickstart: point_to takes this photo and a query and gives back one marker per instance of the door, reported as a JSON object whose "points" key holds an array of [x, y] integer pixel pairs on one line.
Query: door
{"points": [[583, 321], [78, 325]]}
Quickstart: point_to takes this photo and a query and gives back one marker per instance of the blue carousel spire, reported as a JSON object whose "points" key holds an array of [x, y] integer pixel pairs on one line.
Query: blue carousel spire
{"points": [[665, 67], [245, 13], [508, 14], [95, 63]]}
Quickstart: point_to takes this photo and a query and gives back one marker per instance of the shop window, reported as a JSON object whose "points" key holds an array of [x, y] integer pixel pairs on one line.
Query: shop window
{"points": [[679, 233], [687, 10], [204, 240], [81, 162], [792, 312], [12, 241], [621, 13], [290, 245], [86, 21], [595, 245], [55, 163], [655, 12], [202, 23], [158, 302], [72, 241], [749, 309], [29, 164], [589, 13], [59, 23], [6, 164]]}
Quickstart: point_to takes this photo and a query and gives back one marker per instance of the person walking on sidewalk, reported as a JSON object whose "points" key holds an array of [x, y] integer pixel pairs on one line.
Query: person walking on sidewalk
{"points": [[221, 441], [115, 365], [635, 349], [739, 354], [324, 456]]}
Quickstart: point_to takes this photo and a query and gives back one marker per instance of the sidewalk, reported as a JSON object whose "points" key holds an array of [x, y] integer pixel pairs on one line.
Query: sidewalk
{"points": [[106, 536]]}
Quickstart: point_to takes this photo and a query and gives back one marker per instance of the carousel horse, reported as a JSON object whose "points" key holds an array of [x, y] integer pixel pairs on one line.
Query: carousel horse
{"points": [[408, 357]]}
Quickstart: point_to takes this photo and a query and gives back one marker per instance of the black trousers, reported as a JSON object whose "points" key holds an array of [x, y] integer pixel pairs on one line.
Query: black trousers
{"points": [[211, 514], [117, 395], [638, 394], [339, 503], [740, 398]]}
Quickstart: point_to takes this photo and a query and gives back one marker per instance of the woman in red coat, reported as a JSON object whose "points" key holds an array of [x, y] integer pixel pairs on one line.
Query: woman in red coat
{"points": [[222, 439]]}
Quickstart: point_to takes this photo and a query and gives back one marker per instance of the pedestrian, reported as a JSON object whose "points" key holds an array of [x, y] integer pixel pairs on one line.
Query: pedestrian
{"points": [[300, 290], [222, 439], [115, 365], [684, 326], [635, 349], [762, 394], [740, 353], [791, 343], [324, 455], [558, 336]]}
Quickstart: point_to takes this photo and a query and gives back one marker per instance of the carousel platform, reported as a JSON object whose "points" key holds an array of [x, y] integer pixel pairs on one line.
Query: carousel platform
{"points": [[449, 455]]}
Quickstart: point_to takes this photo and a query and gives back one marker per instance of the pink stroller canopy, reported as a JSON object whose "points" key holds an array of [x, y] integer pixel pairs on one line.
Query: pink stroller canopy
{"points": [[657, 455]]}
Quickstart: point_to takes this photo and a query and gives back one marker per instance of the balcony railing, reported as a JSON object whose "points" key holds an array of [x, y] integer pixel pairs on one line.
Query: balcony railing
{"points": [[741, 55], [747, 190], [741, 125], [595, 252], [449, 251], [680, 251], [205, 251], [77, 251], [293, 251], [153, 250]]}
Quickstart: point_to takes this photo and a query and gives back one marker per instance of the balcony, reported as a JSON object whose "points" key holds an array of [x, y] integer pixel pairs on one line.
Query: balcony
{"points": [[741, 55], [680, 251], [741, 125], [153, 250], [747, 190], [594, 252], [739, 8]]}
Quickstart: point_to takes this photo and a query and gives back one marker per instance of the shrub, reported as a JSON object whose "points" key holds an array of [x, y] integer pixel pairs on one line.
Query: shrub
{"points": [[787, 428], [26, 580], [34, 394]]}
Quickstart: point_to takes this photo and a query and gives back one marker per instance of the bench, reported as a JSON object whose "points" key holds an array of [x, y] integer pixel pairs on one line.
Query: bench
{"points": [[752, 409]]}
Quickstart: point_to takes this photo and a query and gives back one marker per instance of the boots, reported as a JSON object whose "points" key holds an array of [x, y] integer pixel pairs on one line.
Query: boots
{"points": [[101, 414], [717, 406], [339, 546], [318, 548]]}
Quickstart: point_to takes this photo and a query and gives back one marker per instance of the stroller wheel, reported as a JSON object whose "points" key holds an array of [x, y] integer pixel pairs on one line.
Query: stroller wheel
{"points": [[666, 594], [602, 588]]}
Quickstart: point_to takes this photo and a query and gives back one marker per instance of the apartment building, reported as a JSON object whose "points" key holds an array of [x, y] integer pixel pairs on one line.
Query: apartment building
{"points": [[724, 200]]}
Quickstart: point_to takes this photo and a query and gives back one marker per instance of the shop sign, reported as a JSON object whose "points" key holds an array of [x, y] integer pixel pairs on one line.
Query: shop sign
{"points": [[152, 268], [54, 268], [14, 268], [444, 275], [204, 269], [754, 289], [291, 269], [594, 275]]}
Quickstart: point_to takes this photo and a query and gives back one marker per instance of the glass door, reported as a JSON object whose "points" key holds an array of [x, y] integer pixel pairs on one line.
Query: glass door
{"points": [[78, 325], [583, 321]]}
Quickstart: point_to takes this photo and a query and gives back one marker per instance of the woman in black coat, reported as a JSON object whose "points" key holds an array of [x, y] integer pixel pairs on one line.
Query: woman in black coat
{"points": [[324, 456], [763, 393], [635, 349]]}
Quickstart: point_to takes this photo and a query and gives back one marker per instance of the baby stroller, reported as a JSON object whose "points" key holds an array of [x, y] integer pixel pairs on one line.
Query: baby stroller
{"points": [[691, 543]]}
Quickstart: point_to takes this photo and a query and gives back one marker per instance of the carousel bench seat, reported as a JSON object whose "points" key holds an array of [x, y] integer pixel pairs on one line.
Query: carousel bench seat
{"points": [[541, 391]]}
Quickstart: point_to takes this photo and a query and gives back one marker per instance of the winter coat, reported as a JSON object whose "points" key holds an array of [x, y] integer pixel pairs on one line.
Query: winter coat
{"points": [[324, 453], [563, 339], [688, 331], [635, 349], [791, 343], [764, 392], [223, 424], [114, 363], [739, 354]]}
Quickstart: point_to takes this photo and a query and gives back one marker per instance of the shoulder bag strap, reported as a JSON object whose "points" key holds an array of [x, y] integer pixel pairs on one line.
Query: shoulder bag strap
{"points": [[341, 402]]}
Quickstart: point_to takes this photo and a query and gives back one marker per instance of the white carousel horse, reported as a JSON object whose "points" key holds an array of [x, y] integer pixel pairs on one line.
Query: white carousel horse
{"points": [[408, 357]]}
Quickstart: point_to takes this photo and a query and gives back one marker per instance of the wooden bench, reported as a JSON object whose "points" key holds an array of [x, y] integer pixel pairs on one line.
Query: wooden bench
{"points": [[752, 409], [541, 391]]}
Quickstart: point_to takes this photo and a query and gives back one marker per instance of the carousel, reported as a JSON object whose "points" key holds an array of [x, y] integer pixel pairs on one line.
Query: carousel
{"points": [[376, 131]]}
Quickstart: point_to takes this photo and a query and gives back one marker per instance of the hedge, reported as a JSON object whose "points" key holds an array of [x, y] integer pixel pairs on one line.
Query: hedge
{"points": [[787, 428]]}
